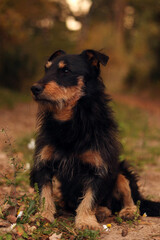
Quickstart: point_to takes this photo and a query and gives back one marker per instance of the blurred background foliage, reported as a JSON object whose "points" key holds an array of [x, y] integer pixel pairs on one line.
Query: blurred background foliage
{"points": [[126, 30]]}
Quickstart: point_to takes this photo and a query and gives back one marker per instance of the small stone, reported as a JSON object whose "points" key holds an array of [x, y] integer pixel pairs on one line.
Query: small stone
{"points": [[124, 232]]}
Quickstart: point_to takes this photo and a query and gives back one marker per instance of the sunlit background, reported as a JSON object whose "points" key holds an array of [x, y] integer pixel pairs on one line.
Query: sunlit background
{"points": [[126, 30]]}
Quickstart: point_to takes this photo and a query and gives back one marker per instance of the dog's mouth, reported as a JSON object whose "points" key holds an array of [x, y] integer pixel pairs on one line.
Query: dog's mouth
{"points": [[40, 99], [48, 104]]}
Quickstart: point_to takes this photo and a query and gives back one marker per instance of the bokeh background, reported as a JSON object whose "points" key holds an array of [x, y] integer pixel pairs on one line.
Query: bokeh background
{"points": [[126, 30]]}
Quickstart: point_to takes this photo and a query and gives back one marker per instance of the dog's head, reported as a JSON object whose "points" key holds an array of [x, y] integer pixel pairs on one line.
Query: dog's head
{"points": [[66, 77]]}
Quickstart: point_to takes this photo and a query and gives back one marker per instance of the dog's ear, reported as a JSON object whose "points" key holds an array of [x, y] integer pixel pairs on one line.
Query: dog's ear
{"points": [[52, 57], [95, 57]]}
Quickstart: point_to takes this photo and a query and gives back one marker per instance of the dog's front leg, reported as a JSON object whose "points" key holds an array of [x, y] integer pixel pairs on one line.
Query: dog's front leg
{"points": [[47, 204], [85, 217], [43, 177]]}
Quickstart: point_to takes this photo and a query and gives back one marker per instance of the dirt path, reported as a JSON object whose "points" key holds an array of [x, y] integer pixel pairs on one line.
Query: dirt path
{"points": [[21, 120], [147, 229], [150, 105], [18, 121]]}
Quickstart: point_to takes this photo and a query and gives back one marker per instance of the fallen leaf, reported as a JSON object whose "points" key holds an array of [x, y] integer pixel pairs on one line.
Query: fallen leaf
{"points": [[4, 223], [26, 227], [8, 229], [4, 207], [11, 219], [20, 230], [7, 209], [31, 229], [55, 236]]}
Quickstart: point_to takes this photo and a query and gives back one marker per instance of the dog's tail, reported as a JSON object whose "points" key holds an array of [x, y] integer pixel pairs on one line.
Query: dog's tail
{"points": [[151, 208]]}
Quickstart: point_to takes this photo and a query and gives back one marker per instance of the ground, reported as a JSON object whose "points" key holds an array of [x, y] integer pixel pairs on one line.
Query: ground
{"points": [[20, 121]]}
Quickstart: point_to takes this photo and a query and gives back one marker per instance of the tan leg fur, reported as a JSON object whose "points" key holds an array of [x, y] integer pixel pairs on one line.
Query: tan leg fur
{"points": [[49, 207], [123, 189], [86, 218]]}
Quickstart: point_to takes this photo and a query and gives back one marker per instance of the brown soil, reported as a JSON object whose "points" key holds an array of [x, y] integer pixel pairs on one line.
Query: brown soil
{"points": [[147, 229], [17, 122], [21, 120]]}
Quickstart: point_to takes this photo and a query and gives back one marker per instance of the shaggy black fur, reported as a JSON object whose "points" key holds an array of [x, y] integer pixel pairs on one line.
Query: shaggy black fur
{"points": [[91, 127]]}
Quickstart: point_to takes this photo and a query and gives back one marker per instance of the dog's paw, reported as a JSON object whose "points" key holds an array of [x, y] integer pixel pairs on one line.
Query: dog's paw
{"points": [[128, 213], [88, 223], [47, 215], [102, 213]]}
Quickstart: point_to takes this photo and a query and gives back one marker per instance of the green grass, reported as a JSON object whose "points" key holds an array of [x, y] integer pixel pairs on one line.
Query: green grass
{"points": [[139, 135], [31, 217], [8, 98], [22, 146]]}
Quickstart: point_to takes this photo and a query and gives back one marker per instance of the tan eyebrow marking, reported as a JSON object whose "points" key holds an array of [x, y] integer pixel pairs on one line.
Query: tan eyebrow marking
{"points": [[61, 64], [48, 64]]}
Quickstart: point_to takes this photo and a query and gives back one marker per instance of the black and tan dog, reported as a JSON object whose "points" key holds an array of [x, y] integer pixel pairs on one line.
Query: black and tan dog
{"points": [[77, 143]]}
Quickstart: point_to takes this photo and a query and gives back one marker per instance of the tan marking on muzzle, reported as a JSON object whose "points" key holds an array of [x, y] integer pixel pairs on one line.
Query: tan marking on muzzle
{"points": [[65, 97]]}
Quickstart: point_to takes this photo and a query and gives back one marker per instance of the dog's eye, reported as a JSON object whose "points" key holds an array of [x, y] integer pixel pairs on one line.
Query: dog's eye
{"points": [[65, 70]]}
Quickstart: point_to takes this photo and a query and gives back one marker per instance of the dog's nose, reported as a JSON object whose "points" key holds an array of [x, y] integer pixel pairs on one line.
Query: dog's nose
{"points": [[36, 89]]}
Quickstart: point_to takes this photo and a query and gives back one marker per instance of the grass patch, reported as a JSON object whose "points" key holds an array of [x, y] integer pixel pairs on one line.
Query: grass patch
{"points": [[31, 224], [140, 137], [22, 145], [9, 98]]}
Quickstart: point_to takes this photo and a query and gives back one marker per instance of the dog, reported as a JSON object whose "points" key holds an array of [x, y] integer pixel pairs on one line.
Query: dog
{"points": [[77, 142]]}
